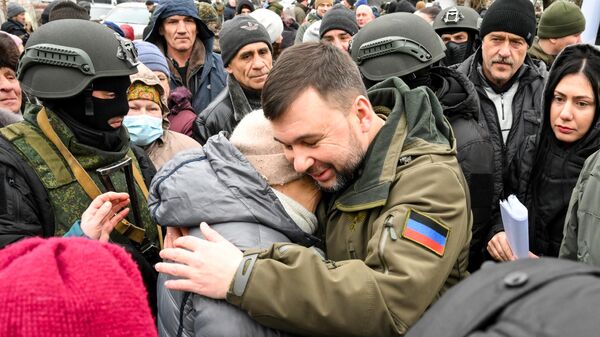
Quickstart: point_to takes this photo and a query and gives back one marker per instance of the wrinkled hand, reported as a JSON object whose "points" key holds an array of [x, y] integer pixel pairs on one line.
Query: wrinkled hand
{"points": [[204, 267], [101, 216], [173, 233], [499, 248]]}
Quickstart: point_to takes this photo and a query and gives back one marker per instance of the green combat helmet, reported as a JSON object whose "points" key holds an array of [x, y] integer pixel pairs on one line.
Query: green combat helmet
{"points": [[395, 44], [63, 57]]}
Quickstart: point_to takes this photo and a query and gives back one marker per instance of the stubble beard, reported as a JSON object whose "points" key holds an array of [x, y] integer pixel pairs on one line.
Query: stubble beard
{"points": [[347, 174]]}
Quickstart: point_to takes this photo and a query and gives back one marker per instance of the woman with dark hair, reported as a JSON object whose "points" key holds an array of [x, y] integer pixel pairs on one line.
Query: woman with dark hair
{"points": [[545, 171]]}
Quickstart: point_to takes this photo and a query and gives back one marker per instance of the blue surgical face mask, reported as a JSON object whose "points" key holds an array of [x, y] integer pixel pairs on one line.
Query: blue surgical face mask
{"points": [[143, 129]]}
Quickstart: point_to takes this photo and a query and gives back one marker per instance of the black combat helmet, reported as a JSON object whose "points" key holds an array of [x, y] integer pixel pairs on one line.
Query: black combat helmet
{"points": [[396, 44], [63, 57], [457, 18]]}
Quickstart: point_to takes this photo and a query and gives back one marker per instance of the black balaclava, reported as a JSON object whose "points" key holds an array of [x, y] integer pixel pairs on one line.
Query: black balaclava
{"points": [[88, 116], [458, 52]]}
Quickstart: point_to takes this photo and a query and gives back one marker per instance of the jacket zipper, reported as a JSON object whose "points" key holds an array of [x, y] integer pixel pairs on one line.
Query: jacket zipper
{"points": [[498, 128], [502, 105], [351, 250], [387, 231], [12, 183]]}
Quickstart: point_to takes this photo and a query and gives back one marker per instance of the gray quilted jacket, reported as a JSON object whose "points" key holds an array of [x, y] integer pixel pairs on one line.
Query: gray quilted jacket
{"points": [[217, 185]]}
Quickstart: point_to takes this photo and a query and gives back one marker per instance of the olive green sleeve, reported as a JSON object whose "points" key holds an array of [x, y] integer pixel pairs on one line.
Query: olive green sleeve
{"points": [[581, 230], [568, 247], [293, 289]]}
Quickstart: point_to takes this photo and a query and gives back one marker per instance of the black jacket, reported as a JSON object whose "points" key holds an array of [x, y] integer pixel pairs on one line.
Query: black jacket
{"points": [[15, 28], [542, 175], [224, 113], [459, 100], [526, 109]]}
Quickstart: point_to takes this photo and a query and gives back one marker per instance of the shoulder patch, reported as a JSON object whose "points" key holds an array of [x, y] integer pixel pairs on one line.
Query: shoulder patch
{"points": [[426, 232]]}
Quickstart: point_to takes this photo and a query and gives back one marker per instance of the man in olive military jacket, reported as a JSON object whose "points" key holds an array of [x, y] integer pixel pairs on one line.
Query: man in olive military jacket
{"points": [[395, 218]]}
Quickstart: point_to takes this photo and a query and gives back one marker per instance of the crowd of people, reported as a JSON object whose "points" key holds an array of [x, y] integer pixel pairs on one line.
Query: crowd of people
{"points": [[327, 169]]}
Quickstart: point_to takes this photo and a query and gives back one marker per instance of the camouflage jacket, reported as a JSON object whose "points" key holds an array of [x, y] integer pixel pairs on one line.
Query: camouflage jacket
{"points": [[39, 195]]}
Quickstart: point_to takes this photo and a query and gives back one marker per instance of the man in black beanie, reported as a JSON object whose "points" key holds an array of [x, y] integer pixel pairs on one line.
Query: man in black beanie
{"points": [[509, 85], [338, 27], [68, 10], [247, 55]]}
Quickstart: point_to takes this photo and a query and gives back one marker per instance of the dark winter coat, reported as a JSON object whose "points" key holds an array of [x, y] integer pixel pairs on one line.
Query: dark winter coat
{"points": [[474, 150], [205, 73], [225, 112], [229, 12], [543, 174], [526, 109], [15, 28]]}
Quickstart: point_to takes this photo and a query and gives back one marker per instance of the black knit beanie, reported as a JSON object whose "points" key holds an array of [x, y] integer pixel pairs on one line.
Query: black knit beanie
{"points": [[244, 3], [238, 32], [511, 16], [402, 6], [339, 17], [45, 17], [68, 10]]}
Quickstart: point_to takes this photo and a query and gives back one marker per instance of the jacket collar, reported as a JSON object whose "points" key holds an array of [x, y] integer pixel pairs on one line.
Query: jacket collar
{"points": [[239, 101], [403, 136], [537, 52], [198, 58], [448, 83], [530, 71]]}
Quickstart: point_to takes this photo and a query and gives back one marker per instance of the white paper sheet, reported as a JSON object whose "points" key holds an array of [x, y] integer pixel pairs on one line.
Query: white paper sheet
{"points": [[516, 225]]}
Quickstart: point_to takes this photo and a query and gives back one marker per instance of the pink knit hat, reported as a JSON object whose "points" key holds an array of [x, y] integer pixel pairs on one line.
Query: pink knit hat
{"points": [[71, 287], [253, 136]]}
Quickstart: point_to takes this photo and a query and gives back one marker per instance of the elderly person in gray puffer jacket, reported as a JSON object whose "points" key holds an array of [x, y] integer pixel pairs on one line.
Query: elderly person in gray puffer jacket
{"points": [[250, 194]]}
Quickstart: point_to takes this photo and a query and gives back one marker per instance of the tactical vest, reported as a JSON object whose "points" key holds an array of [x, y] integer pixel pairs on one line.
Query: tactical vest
{"points": [[67, 197]]}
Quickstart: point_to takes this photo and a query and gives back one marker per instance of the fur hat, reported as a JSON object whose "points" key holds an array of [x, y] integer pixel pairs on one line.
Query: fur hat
{"points": [[207, 12], [253, 137], [560, 19], [71, 287], [511, 16]]}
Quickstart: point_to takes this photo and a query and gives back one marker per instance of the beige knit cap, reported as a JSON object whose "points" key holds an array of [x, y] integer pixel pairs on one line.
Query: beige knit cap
{"points": [[253, 137]]}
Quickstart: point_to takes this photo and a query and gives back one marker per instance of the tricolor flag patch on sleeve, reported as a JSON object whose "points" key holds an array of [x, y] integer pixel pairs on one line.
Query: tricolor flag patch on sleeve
{"points": [[426, 232]]}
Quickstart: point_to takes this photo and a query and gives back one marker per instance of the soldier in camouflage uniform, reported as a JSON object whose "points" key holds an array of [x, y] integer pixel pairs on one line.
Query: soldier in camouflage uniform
{"points": [[49, 162]]}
